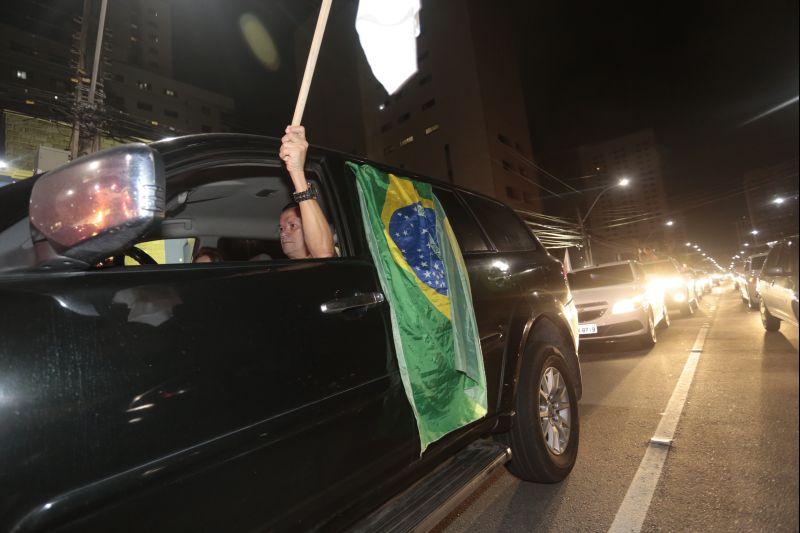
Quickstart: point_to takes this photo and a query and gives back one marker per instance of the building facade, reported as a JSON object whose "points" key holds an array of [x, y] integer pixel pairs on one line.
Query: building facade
{"points": [[626, 219], [461, 118]]}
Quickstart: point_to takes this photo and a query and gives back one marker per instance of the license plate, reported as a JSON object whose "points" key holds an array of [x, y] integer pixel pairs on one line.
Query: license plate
{"points": [[587, 329]]}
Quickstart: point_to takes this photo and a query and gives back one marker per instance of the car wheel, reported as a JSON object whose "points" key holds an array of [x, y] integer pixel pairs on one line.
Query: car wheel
{"points": [[649, 339], [545, 434], [665, 321], [770, 322]]}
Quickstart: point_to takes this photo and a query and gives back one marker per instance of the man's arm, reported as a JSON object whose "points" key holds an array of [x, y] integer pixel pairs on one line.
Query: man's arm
{"points": [[316, 230]]}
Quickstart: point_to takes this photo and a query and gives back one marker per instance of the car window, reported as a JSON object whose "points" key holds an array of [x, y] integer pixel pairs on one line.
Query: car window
{"points": [[661, 268], [772, 259], [226, 213], [600, 277], [468, 233], [788, 257], [505, 229]]}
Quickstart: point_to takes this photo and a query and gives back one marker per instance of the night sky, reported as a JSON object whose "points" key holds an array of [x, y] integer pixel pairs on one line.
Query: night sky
{"points": [[591, 70]]}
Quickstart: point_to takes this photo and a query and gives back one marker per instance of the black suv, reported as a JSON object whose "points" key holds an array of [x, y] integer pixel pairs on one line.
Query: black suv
{"points": [[141, 391], [777, 286]]}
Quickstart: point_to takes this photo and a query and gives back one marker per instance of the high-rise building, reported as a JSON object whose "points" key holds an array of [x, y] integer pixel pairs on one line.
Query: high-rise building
{"points": [[461, 118], [771, 196], [632, 217]]}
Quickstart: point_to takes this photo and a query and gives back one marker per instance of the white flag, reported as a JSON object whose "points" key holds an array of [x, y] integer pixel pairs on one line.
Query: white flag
{"points": [[388, 30]]}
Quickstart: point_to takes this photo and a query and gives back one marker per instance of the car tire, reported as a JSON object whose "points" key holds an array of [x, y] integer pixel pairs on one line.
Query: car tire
{"points": [[650, 337], [534, 446], [770, 322]]}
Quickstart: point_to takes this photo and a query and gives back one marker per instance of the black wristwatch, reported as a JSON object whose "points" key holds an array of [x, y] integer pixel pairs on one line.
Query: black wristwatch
{"points": [[309, 194]]}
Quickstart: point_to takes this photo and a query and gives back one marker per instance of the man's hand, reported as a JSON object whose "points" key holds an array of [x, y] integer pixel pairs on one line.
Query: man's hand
{"points": [[293, 149]]}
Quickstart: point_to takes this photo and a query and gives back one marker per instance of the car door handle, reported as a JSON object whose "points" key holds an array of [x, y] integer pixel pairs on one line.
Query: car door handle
{"points": [[357, 301]]}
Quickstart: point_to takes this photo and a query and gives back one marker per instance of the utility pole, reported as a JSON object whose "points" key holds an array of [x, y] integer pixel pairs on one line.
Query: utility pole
{"points": [[80, 75], [85, 128], [587, 243]]}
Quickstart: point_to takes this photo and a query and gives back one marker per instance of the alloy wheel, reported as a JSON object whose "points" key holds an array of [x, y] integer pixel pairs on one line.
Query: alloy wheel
{"points": [[555, 411]]}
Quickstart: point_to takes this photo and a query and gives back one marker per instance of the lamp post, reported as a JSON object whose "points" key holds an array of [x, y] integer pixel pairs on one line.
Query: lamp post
{"points": [[623, 182]]}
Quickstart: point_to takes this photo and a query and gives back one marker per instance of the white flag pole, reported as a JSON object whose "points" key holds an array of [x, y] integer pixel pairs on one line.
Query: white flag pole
{"points": [[311, 63]]}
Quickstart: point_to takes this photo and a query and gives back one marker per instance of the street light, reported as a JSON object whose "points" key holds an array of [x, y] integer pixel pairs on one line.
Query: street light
{"points": [[746, 244], [754, 232], [623, 182], [669, 223], [688, 244], [778, 200]]}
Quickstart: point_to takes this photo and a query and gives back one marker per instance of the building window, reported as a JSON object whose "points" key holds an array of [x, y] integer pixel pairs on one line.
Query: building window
{"points": [[22, 75], [171, 113], [512, 193], [144, 86], [431, 129], [170, 92], [407, 140], [144, 106], [402, 118], [386, 127], [426, 79], [429, 104], [503, 139]]}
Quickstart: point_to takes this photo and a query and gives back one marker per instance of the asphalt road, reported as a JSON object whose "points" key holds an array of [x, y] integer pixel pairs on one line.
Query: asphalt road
{"points": [[733, 463]]}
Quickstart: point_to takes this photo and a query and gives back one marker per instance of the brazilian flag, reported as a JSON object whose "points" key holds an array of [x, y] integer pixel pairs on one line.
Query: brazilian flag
{"points": [[425, 282]]}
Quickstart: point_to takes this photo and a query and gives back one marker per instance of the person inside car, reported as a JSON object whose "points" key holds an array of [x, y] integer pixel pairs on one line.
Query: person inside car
{"points": [[304, 230], [207, 255]]}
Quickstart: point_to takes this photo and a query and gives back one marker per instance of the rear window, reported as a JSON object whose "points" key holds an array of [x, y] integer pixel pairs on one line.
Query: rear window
{"points": [[468, 234], [757, 262], [661, 268], [600, 277], [505, 229]]}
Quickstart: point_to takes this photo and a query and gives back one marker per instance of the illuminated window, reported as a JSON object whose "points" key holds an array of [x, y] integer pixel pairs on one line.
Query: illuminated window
{"points": [[170, 92], [22, 75], [144, 86], [407, 140], [431, 129]]}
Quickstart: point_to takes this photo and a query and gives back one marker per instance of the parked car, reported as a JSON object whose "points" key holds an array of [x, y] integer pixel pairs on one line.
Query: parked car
{"points": [[700, 281], [777, 286], [140, 391], [748, 280], [678, 285], [616, 303]]}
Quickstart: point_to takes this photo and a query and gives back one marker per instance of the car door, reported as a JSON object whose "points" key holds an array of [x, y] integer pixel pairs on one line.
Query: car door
{"points": [[783, 285], [765, 279], [216, 396]]}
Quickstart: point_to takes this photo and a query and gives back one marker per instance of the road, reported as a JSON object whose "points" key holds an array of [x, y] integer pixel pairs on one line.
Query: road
{"points": [[733, 462]]}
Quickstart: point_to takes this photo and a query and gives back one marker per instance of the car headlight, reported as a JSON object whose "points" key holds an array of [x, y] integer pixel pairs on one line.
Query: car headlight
{"points": [[679, 297], [627, 305]]}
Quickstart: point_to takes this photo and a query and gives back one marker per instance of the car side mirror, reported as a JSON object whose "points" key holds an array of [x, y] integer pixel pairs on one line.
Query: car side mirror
{"points": [[98, 205]]}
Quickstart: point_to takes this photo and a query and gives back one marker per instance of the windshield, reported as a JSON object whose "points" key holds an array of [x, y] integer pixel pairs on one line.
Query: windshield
{"points": [[757, 262], [661, 268], [600, 277]]}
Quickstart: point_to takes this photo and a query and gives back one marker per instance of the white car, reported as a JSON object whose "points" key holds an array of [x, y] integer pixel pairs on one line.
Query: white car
{"points": [[615, 302]]}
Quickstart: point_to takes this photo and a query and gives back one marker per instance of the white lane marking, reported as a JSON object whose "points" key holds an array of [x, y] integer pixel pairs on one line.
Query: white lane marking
{"points": [[631, 514]]}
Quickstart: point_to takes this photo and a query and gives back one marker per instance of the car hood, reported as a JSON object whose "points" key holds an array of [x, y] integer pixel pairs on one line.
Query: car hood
{"points": [[608, 294]]}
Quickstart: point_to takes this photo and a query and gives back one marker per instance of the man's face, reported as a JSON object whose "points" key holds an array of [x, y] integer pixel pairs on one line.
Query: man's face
{"points": [[291, 230]]}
